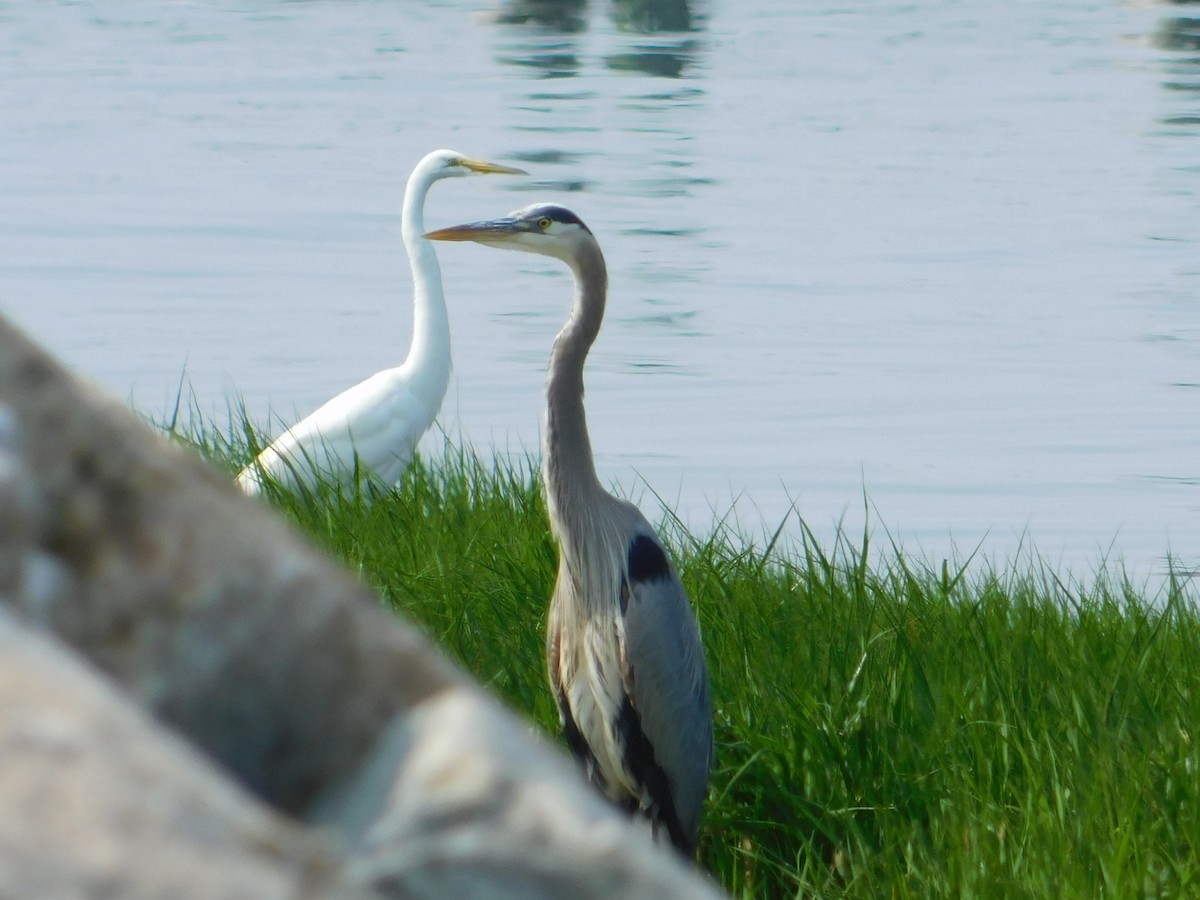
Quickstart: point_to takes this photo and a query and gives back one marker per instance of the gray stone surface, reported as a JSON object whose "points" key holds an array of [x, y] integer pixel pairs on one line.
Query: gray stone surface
{"points": [[98, 800], [236, 716], [197, 599]]}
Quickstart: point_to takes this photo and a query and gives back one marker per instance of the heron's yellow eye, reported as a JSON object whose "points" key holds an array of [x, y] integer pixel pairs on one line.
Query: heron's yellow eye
{"points": [[544, 222]]}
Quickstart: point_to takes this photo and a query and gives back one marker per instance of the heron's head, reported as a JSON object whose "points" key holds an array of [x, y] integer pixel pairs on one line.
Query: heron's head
{"points": [[544, 228], [452, 164]]}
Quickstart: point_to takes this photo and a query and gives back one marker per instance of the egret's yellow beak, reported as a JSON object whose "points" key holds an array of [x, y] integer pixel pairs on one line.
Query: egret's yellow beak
{"points": [[488, 168]]}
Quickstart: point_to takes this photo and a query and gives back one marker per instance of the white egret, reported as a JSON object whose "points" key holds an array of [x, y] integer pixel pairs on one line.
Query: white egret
{"points": [[625, 659], [371, 430]]}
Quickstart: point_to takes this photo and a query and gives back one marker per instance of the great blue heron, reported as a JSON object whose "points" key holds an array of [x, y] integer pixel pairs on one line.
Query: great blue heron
{"points": [[626, 663], [372, 429]]}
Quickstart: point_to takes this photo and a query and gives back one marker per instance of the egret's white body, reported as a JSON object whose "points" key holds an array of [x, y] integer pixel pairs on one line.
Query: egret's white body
{"points": [[370, 431], [623, 647]]}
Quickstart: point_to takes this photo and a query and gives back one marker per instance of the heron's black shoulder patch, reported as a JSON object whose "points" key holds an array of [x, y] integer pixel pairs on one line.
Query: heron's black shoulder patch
{"points": [[647, 561]]}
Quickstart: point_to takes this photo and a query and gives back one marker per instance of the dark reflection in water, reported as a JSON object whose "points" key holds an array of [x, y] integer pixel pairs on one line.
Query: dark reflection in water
{"points": [[550, 61], [665, 62], [568, 17], [559, 61], [651, 16], [1178, 33], [548, 157], [1180, 36], [565, 16], [604, 101], [644, 231], [543, 158]]}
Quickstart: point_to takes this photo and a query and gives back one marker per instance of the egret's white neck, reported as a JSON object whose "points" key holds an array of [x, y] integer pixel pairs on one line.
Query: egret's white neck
{"points": [[429, 355]]}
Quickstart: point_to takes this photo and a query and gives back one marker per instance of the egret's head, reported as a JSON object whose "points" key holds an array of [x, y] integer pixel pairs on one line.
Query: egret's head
{"points": [[544, 228], [452, 164]]}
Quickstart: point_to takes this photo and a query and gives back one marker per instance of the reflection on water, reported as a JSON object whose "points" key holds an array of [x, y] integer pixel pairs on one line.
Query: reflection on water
{"points": [[565, 16], [549, 157], [568, 118], [550, 61], [541, 159], [1181, 35], [664, 62], [570, 16], [543, 49], [650, 16], [1178, 33]]}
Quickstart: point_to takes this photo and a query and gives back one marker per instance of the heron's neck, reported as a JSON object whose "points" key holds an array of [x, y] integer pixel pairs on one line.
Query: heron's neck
{"points": [[429, 354], [567, 465]]}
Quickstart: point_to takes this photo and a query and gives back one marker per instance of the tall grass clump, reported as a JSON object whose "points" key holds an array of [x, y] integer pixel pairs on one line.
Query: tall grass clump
{"points": [[884, 727]]}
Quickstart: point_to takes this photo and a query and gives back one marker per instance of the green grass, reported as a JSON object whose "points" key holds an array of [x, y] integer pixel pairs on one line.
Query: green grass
{"points": [[884, 728]]}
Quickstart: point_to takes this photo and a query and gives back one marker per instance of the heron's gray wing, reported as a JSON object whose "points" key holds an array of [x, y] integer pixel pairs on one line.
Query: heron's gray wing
{"points": [[666, 721]]}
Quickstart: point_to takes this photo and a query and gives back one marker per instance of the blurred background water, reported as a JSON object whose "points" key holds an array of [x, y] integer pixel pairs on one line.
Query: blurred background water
{"points": [[934, 264]]}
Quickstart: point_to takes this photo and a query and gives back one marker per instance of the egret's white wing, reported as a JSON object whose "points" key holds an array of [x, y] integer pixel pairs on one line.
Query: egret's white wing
{"points": [[371, 428]]}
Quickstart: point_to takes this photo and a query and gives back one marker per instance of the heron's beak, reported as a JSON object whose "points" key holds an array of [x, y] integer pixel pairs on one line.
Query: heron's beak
{"points": [[487, 168], [483, 232]]}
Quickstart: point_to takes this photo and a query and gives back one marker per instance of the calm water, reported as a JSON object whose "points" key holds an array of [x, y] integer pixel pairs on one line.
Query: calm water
{"points": [[943, 254]]}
